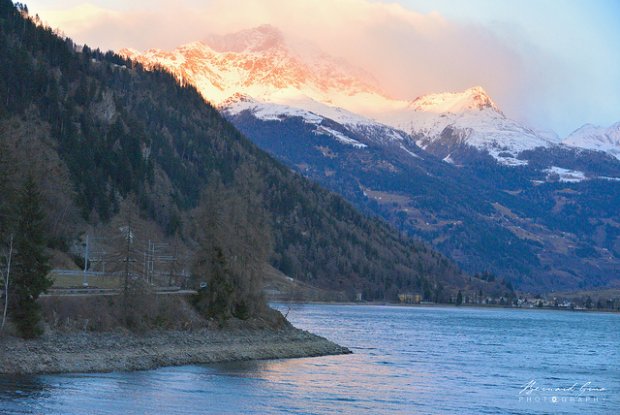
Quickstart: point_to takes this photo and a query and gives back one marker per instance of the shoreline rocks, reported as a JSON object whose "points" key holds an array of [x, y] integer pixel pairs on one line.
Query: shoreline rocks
{"points": [[126, 351]]}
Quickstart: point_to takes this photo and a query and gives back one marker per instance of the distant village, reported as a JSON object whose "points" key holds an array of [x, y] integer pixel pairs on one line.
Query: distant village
{"points": [[537, 301]]}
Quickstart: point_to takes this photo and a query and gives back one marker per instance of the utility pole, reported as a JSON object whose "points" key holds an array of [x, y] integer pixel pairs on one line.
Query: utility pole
{"points": [[151, 270], [149, 262], [86, 248], [173, 264], [127, 253]]}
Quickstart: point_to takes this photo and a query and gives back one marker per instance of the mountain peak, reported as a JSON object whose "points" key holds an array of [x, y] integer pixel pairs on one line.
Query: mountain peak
{"points": [[256, 39], [594, 137], [476, 89], [235, 98], [472, 99], [586, 127], [262, 63]]}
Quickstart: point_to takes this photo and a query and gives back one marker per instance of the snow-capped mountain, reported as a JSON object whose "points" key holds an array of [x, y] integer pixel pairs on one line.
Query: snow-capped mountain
{"points": [[263, 64], [473, 99], [470, 117], [592, 137]]}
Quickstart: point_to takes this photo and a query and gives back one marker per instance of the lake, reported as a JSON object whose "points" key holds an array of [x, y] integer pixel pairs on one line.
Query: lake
{"points": [[407, 360]]}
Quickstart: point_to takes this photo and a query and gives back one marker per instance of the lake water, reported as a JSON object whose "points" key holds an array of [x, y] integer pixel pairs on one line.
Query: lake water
{"points": [[407, 360]]}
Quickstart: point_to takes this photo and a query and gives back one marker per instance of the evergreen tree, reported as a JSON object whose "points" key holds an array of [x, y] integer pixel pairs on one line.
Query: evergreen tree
{"points": [[459, 298], [234, 247], [30, 262], [211, 265]]}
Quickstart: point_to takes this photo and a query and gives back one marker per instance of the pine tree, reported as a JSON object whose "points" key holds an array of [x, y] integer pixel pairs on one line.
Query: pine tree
{"points": [[30, 262], [234, 247], [211, 264]]}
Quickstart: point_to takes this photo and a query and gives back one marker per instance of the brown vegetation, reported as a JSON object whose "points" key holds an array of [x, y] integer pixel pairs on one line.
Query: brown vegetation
{"points": [[104, 313]]}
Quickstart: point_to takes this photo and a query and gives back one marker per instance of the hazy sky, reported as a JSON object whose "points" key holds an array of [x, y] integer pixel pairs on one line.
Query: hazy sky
{"points": [[554, 64]]}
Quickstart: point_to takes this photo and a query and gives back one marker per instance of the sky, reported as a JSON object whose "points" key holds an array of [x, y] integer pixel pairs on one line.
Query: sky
{"points": [[553, 64]]}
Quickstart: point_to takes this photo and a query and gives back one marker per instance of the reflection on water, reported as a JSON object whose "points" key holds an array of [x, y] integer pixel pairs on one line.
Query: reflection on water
{"points": [[405, 361], [22, 387]]}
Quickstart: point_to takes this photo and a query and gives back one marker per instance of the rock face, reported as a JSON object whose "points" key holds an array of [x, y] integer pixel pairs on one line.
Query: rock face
{"points": [[262, 63], [115, 351]]}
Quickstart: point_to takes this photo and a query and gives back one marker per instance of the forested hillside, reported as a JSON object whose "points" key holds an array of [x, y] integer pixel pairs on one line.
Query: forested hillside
{"points": [[94, 128], [525, 223]]}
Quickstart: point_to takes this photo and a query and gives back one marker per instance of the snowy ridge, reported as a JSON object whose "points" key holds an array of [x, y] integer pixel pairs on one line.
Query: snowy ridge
{"points": [[266, 111], [592, 137], [275, 112], [315, 113], [472, 99]]}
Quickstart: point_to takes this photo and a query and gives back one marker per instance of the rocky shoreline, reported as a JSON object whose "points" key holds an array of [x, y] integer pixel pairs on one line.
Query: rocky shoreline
{"points": [[126, 351]]}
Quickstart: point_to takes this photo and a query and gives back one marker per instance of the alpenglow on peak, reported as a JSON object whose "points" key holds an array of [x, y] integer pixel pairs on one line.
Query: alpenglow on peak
{"points": [[257, 39], [472, 99], [262, 63]]}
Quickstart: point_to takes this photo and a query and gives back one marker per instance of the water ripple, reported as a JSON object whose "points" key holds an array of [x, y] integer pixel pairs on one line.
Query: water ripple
{"points": [[406, 361]]}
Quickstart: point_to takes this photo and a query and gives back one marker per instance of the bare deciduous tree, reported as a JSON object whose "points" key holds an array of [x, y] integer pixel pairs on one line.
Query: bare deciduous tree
{"points": [[6, 276]]}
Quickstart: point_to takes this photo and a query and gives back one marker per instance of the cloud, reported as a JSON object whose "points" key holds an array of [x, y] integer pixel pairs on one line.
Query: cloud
{"points": [[79, 18], [410, 53], [424, 50]]}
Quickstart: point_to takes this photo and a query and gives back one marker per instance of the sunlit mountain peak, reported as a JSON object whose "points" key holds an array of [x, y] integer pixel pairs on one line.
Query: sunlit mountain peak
{"points": [[472, 99]]}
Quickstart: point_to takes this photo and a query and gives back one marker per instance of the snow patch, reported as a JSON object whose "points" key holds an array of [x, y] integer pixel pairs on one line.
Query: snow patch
{"points": [[566, 175], [339, 136], [448, 159], [270, 112], [411, 153], [510, 161]]}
